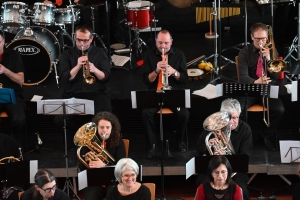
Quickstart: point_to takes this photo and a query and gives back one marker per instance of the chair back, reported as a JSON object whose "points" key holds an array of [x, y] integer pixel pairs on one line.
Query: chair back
{"points": [[20, 194], [126, 144], [151, 187]]}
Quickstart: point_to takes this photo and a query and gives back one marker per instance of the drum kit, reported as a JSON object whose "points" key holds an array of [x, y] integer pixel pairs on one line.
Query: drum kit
{"points": [[37, 45]]}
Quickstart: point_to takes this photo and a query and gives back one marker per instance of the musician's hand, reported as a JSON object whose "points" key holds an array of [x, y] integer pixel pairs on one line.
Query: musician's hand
{"points": [[92, 67], [2, 69], [263, 80], [76, 1], [219, 152], [82, 60], [213, 141], [47, 2], [266, 53], [161, 66], [171, 70], [96, 163]]}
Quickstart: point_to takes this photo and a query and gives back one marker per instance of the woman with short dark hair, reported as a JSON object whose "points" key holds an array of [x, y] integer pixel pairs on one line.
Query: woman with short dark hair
{"points": [[219, 184]]}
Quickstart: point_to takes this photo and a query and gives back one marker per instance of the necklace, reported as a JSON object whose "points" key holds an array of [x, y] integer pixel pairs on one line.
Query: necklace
{"points": [[219, 196]]}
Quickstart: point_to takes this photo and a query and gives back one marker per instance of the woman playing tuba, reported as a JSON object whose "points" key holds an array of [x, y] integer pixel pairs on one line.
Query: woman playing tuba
{"points": [[110, 138]]}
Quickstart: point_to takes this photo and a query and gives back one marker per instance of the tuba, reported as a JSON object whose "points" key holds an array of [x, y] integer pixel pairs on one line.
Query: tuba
{"points": [[217, 124], [86, 136], [88, 78]]}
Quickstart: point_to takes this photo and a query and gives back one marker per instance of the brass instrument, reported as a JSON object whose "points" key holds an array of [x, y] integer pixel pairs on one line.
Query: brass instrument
{"points": [[1, 85], [165, 77], [273, 66], [217, 124], [88, 78], [11, 158], [86, 136]]}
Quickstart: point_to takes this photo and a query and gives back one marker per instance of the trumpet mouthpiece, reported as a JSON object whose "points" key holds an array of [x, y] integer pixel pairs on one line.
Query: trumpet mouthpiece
{"points": [[163, 51]]}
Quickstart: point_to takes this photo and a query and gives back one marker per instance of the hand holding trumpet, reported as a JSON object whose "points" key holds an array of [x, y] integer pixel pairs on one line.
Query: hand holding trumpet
{"points": [[161, 66]]}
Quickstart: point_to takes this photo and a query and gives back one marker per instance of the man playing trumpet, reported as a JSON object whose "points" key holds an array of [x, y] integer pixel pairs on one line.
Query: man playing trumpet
{"points": [[252, 71], [175, 67], [72, 70]]}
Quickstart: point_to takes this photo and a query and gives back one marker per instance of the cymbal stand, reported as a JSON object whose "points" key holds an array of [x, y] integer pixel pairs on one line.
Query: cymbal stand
{"points": [[73, 22]]}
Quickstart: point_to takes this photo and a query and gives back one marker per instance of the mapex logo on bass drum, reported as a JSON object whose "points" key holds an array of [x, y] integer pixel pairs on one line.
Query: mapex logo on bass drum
{"points": [[27, 50]]}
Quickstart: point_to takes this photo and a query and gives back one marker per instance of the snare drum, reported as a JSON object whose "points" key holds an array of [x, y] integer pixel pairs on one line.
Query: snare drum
{"points": [[13, 13], [64, 16], [43, 14], [140, 14], [38, 52]]}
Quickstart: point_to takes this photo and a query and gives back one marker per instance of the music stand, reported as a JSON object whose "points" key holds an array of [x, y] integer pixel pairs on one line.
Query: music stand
{"points": [[17, 173], [246, 90], [66, 107], [100, 176], [160, 99]]}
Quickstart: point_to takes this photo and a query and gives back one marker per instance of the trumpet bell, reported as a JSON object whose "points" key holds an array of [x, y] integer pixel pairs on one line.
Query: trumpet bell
{"points": [[276, 66], [216, 121], [85, 134]]}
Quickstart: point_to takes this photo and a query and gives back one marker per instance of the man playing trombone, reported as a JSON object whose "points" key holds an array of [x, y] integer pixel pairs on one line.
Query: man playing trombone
{"points": [[171, 62], [252, 71]]}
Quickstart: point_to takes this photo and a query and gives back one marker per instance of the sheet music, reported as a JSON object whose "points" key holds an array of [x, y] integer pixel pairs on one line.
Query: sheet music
{"points": [[210, 91], [119, 60], [289, 150]]}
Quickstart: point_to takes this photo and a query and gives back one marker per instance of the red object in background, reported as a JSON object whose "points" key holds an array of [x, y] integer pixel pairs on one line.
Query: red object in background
{"points": [[140, 63], [281, 74]]}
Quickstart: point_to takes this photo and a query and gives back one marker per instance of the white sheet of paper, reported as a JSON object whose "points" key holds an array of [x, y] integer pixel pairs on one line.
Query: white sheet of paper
{"points": [[33, 170], [294, 90], [36, 98], [82, 180], [288, 154], [190, 168], [210, 91], [274, 90]]}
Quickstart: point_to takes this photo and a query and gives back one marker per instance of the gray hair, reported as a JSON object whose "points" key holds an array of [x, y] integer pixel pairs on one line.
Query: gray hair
{"points": [[122, 165], [230, 105]]}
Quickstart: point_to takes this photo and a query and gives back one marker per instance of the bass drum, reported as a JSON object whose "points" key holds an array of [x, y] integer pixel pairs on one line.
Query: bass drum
{"points": [[38, 51]]}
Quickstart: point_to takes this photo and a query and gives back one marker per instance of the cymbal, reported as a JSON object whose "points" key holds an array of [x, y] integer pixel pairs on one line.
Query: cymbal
{"points": [[216, 121]]}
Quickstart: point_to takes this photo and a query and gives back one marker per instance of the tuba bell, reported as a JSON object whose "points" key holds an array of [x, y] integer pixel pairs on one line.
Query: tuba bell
{"points": [[217, 124], [86, 136]]}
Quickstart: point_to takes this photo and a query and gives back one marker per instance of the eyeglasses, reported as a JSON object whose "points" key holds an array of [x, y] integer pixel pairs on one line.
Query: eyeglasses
{"points": [[82, 40], [224, 172], [262, 39], [133, 175], [234, 117], [48, 190]]}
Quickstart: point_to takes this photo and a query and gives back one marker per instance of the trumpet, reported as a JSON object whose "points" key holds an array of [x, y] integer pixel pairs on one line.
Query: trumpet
{"points": [[88, 78], [165, 78]]}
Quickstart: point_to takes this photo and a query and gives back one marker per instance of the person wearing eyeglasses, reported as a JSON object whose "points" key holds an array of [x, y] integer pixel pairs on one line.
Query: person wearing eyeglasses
{"points": [[126, 172], [252, 71], [219, 184], [109, 133], [240, 138], [45, 187], [84, 71]]}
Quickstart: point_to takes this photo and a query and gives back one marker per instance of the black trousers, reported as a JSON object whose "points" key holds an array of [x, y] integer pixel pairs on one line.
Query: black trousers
{"points": [[149, 123], [240, 178], [16, 114], [74, 122], [276, 110]]}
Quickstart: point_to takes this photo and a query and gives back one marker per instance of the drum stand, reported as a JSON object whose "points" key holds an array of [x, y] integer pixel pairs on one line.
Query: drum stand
{"points": [[138, 41]]}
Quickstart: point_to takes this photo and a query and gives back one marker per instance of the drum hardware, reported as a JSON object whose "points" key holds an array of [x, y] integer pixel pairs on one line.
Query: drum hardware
{"points": [[139, 15]]}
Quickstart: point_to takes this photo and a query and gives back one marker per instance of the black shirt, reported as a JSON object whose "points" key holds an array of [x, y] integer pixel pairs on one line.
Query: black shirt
{"points": [[248, 58], [143, 193], [58, 195], [176, 59], [68, 60], [241, 139], [12, 60]]}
